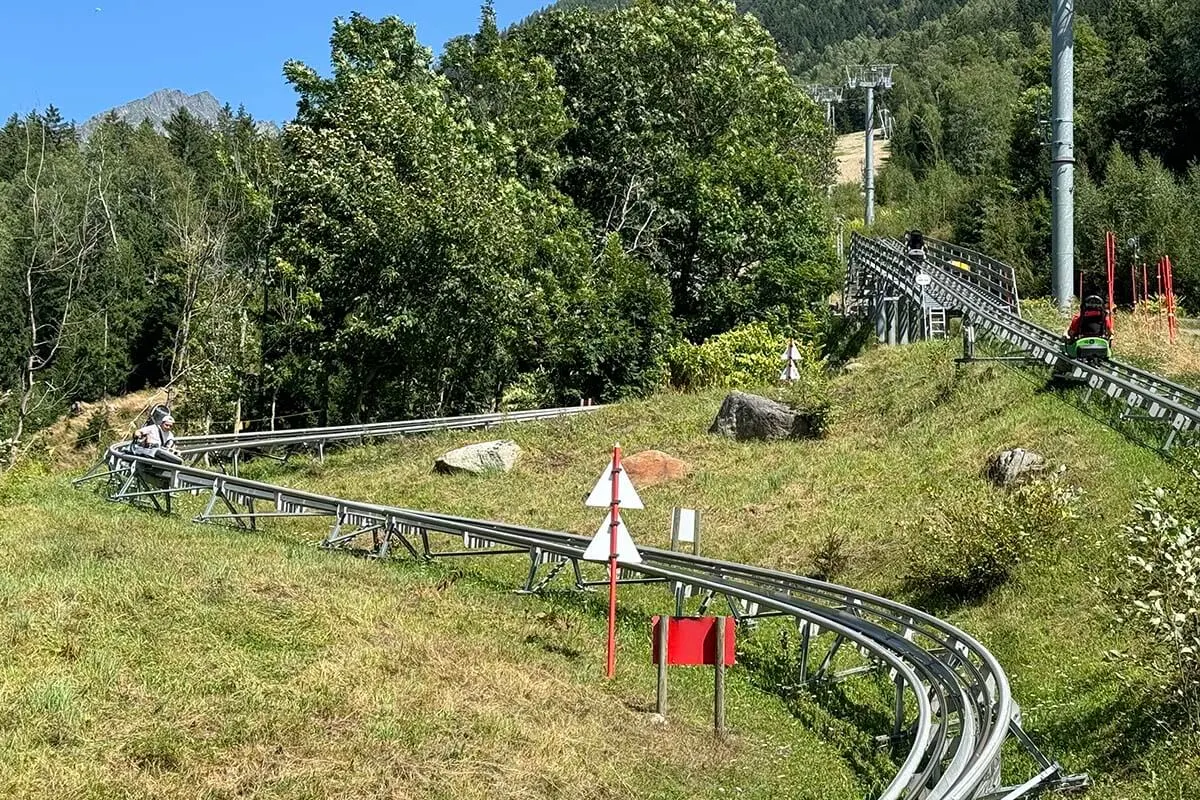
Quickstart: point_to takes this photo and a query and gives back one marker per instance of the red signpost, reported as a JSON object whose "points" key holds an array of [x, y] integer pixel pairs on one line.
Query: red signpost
{"points": [[614, 523], [613, 547], [694, 642]]}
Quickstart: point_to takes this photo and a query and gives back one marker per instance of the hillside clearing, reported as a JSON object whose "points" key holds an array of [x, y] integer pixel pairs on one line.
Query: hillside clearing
{"points": [[851, 159], [149, 656]]}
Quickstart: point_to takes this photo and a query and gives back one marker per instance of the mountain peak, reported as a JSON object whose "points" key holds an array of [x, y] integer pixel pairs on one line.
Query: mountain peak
{"points": [[158, 107]]}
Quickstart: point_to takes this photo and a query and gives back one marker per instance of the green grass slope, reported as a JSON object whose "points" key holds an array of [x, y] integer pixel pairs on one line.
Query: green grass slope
{"points": [[151, 657], [911, 435], [148, 657]]}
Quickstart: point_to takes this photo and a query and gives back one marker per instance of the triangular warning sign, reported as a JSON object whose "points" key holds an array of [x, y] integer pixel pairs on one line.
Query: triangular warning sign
{"points": [[601, 496], [790, 373], [791, 354], [598, 550]]}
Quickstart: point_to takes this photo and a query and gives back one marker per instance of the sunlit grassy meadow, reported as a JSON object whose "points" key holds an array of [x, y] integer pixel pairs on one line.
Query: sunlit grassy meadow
{"points": [[152, 657]]}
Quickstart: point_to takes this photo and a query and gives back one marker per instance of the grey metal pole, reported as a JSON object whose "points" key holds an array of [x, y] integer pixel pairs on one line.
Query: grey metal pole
{"points": [[661, 705], [1062, 156], [719, 681], [893, 314], [869, 161]]}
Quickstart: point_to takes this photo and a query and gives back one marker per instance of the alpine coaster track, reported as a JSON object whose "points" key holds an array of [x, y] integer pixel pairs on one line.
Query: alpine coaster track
{"points": [[953, 707]]}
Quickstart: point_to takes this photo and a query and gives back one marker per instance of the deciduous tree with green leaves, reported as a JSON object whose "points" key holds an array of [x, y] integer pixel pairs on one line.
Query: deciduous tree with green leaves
{"points": [[693, 145]]}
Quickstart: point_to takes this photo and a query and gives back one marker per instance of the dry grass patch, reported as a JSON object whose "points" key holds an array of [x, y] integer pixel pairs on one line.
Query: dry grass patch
{"points": [[147, 657]]}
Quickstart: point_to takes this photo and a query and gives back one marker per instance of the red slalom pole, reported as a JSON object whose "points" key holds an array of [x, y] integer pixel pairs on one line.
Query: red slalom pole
{"points": [[611, 668], [1110, 253], [1145, 284], [1133, 283], [1169, 274], [1165, 306]]}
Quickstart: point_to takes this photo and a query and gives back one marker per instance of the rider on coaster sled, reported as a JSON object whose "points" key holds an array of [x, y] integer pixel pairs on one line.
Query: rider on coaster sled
{"points": [[156, 440], [1090, 333]]}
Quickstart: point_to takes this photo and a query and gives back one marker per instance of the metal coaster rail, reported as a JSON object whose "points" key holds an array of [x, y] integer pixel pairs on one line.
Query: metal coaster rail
{"points": [[953, 707], [314, 438], [944, 256], [1138, 394]]}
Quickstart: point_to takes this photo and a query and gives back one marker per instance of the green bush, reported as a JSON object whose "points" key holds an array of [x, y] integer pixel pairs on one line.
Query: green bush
{"points": [[829, 558], [972, 543], [529, 391], [745, 357], [97, 431], [808, 396], [1159, 584]]}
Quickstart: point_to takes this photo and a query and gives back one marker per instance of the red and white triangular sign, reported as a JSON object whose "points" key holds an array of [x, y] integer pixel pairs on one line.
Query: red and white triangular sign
{"points": [[601, 496], [790, 373], [598, 550], [791, 354]]}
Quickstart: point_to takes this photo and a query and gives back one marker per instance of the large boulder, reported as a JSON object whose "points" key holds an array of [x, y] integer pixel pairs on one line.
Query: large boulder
{"points": [[650, 467], [749, 416], [1015, 466], [499, 455]]}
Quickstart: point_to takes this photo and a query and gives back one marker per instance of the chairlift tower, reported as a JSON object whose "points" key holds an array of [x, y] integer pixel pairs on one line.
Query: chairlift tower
{"points": [[829, 95], [1062, 149], [871, 77]]}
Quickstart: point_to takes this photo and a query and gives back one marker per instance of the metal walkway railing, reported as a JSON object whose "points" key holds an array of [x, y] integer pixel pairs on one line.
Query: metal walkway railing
{"points": [[953, 708]]}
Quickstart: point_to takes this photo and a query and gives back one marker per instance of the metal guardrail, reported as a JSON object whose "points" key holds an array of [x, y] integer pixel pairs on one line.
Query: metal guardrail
{"points": [[1143, 395], [319, 437], [985, 273], [953, 708]]}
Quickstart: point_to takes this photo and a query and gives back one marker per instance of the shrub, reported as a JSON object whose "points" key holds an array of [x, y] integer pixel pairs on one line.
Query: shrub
{"points": [[747, 356], [97, 431], [970, 545], [1160, 586], [529, 391], [808, 396], [830, 559]]}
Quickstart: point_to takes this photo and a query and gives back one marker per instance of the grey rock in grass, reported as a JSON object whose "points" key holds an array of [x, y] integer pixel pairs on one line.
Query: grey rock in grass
{"points": [[1012, 467], [749, 416], [499, 455]]}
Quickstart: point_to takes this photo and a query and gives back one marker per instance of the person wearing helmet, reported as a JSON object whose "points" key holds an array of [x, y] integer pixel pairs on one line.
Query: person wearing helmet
{"points": [[915, 241], [1092, 320], [156, 439]]}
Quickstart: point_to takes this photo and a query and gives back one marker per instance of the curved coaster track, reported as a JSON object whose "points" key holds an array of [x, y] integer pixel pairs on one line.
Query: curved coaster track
{"points": [[953, 707]]}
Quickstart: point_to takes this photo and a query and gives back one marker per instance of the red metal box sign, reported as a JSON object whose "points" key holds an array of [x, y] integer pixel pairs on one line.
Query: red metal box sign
{"points": [[692, 641]]}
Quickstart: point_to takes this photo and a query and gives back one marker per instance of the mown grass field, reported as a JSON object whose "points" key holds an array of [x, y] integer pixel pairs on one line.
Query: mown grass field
{"points": [[148, 657], [151, 657]]}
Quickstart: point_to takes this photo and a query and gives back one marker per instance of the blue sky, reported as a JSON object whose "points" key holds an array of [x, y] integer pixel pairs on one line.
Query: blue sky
{"points": [[86, 57]]}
